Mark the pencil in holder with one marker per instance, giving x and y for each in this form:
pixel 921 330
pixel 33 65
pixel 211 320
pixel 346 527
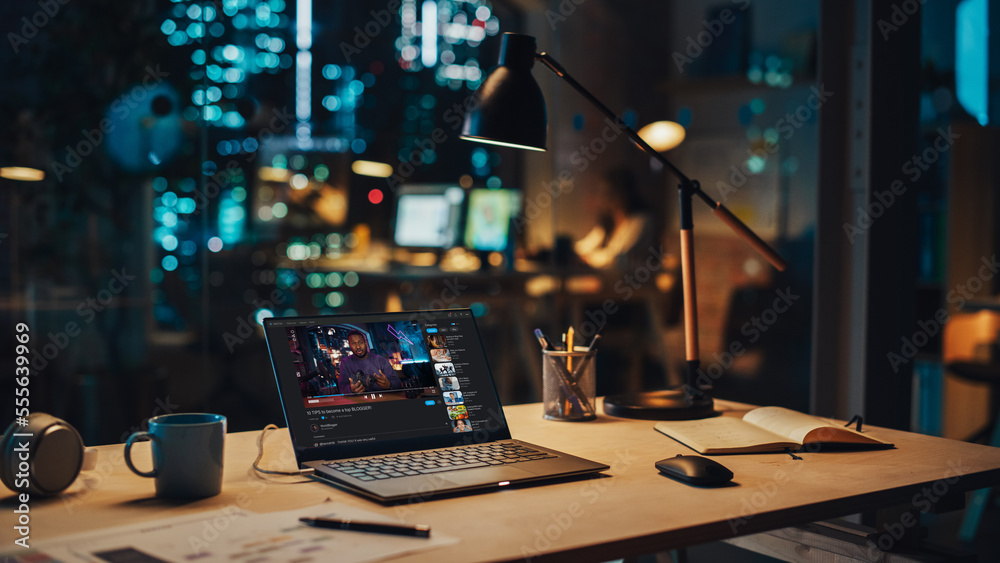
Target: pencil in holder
pixel 569 384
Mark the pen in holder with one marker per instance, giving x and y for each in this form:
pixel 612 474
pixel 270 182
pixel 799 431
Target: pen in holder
pixel 569 384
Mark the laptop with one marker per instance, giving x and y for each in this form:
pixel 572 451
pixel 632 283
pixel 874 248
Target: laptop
pixel 401 406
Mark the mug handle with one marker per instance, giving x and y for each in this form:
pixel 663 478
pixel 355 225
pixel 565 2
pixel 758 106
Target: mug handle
pixel 136 437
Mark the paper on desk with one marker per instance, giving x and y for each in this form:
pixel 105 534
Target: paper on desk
pixel 233 534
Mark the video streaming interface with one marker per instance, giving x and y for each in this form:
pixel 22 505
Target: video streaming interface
pixel 415 375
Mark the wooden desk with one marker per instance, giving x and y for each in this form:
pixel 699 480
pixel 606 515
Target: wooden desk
pixel 634 510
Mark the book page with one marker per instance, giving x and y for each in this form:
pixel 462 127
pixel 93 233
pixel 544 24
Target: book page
pixel 723 435
pixel 804 428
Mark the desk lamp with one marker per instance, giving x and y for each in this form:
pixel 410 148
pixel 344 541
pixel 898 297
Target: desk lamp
pixel 509 110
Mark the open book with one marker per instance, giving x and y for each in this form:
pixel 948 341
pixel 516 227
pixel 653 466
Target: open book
pixel 764 429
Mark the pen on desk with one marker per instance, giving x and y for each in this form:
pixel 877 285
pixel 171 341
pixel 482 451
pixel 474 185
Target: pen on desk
pixel 416 530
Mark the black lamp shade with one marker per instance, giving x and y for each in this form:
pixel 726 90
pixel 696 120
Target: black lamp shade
pixel 508 108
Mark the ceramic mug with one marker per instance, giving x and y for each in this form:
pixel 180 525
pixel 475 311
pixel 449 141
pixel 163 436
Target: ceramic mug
pixel 187 454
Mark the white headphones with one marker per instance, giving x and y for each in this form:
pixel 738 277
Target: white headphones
pixel 44 457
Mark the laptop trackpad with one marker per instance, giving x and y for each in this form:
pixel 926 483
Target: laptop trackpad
pixel 484 475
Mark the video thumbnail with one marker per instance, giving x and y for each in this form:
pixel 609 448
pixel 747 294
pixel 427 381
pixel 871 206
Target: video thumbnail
pixel 448 383
pixel 445 369
pixel 441 354
pixel 363 362
pixel 436 341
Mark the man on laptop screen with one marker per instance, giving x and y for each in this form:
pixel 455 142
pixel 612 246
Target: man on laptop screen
pixel 364 370
pixel 389 398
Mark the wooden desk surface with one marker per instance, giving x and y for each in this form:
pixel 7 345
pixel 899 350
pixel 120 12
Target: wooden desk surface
pixel 631 511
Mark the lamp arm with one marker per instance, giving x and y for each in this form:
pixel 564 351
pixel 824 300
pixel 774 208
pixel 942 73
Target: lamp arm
pixel 556 68
pixel 687 184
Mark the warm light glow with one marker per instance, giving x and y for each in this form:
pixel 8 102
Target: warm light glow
pixel 271 174
pixel 501 143
pixel 375 196
pixel 583 285
pixel 423 259
pixel 369 168
pixel 541 285
pixel 22 173
pixel 662 135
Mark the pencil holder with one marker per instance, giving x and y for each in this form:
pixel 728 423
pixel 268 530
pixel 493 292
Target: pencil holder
pixel 569 384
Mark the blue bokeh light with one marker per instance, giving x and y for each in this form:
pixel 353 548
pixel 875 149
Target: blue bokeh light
pixel 169 263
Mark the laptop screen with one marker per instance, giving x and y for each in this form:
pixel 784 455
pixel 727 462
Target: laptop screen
pixel 376 383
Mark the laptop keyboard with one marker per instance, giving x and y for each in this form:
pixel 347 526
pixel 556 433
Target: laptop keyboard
pixel 422 463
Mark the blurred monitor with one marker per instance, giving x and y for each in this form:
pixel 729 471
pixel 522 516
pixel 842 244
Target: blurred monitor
pixel 428 215
pixel 488 219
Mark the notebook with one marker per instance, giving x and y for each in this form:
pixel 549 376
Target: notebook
pixel 765 429
pixel 401 406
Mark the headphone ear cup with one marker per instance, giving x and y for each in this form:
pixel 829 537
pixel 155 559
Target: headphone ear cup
pixel 54 452
pixel 6 458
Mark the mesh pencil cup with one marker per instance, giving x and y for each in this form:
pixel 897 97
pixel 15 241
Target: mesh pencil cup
pixel 569 384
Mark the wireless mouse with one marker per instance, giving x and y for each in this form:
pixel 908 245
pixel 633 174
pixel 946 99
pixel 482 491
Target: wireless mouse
pixel 695 470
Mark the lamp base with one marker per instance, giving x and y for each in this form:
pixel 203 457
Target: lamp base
pixel 670 404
